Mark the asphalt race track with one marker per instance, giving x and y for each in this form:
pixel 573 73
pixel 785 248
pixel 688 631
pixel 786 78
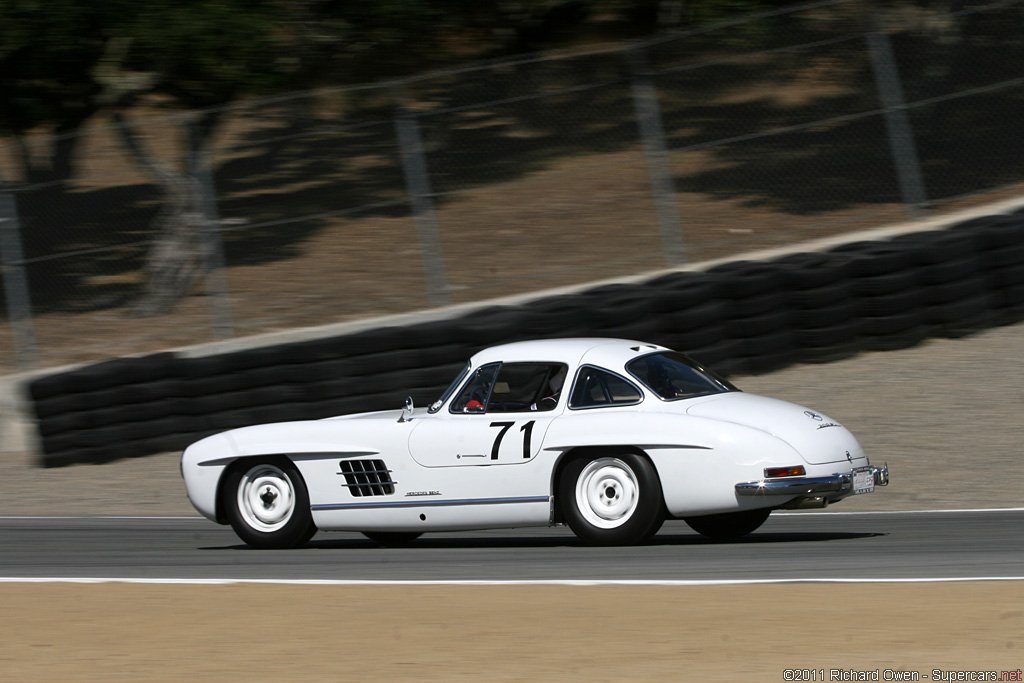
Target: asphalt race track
pixel 794 546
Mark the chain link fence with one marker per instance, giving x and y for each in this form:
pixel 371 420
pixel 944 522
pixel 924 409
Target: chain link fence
pixel 504 177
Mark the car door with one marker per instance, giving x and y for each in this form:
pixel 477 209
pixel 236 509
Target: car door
pixel 499 417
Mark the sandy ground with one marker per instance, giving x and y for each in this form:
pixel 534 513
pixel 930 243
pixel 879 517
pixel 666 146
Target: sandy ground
pixel 116 632
pixel 945 415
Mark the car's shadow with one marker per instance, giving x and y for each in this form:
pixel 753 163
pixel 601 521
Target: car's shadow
pixel 449 542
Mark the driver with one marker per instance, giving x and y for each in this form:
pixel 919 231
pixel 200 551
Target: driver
pixel 555 384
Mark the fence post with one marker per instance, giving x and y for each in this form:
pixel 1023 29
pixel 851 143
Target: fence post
pixel 205 199
pixel 897 123
pixel 19 306
pixel 648 115
pixel 417 183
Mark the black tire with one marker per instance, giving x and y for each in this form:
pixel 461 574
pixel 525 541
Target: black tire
pixel 689 291
pixel 759 325
pixel 829 354
pixel 710 314
pixel 875 258
pixel 897 303
pixel 826 316
pixel 952 270
pixel 813 270
pixel 267 504
pixel 697 337
pixel 954 291
pixel 743 279
pixel 728 525
pixel 821 297
pixel 611 498
pixel 392 538
pixel 886 284
pixel 770 362
pixel 896 341
pixel 887 325
pixel 832 335
pixel 756 305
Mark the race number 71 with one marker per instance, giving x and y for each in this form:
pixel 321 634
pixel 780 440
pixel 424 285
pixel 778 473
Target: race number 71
pixel 527 430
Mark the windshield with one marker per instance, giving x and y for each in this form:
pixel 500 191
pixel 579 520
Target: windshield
pixel 672 375
pixel 436 405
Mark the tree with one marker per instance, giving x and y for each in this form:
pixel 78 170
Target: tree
pixel 47 52
pixel 61 61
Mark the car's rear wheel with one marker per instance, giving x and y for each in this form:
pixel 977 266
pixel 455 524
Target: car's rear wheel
pixel 267 503
pixel 392 537
pixel 611 499
pixel 728 525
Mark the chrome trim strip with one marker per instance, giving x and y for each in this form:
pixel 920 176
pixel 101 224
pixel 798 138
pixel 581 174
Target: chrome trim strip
pixel 840 483
pixel 431 503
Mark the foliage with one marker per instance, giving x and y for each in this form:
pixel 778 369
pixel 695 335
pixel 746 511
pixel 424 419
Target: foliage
pixel 47 49
pixel 208 52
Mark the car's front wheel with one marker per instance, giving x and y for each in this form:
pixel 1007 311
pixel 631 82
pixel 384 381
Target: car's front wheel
pixel 611 499
pixel 267 503
pixel 729 524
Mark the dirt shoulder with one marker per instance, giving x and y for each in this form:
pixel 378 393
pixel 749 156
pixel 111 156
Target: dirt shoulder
pixel 118 632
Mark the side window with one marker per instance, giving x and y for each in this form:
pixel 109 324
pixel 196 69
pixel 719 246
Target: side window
pixel 596 387
pixel 512 388
pixel 525 387
pixel 476 393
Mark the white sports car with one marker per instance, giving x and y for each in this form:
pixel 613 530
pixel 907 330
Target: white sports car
pixel 608 436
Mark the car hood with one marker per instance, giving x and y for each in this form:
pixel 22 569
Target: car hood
pixel 817 437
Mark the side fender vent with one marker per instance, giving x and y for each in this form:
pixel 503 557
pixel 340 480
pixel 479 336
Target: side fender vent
pixel 367 478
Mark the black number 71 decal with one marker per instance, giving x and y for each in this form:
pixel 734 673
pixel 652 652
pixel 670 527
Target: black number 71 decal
pixel 527 430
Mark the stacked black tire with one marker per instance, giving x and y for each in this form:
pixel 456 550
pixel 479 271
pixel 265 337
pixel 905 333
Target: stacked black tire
pixel 119 408
pixel 739 318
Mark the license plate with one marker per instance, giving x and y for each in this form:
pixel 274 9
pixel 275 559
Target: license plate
pixel 863 480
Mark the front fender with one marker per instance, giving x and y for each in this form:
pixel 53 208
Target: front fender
pixel 202 465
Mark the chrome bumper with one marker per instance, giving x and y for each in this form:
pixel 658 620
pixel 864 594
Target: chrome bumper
pixel 803 486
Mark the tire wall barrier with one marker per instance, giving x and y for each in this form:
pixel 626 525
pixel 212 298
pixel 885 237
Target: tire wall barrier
pixel 743 317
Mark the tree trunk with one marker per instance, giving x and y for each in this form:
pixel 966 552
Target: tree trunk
pixel 179 251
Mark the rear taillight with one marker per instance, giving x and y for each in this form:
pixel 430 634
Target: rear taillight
pixel 772 472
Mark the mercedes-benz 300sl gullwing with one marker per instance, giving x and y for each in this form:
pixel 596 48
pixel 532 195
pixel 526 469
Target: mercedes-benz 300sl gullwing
pixel 611 437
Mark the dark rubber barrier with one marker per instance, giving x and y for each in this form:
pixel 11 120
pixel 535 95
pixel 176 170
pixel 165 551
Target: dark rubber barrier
pixel 743 317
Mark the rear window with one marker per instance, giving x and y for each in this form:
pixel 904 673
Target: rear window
pixel 672 375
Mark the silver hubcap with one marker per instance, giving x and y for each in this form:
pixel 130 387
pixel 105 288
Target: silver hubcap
pixel 266 498
pixel 607 493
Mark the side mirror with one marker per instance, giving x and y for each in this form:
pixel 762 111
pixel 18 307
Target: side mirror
pixel 406 410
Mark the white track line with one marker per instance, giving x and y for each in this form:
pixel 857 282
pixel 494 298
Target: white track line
pixel 552 582
pixel 189 518
pixel 893 512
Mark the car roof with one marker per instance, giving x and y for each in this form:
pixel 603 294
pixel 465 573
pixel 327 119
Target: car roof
pixel 610 353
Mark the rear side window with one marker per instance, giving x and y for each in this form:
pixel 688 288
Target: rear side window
pixel 595 387
pixel 673 375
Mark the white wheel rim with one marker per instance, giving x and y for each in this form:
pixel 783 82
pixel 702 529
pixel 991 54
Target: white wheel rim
pixel 266 498
pixel 607 493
